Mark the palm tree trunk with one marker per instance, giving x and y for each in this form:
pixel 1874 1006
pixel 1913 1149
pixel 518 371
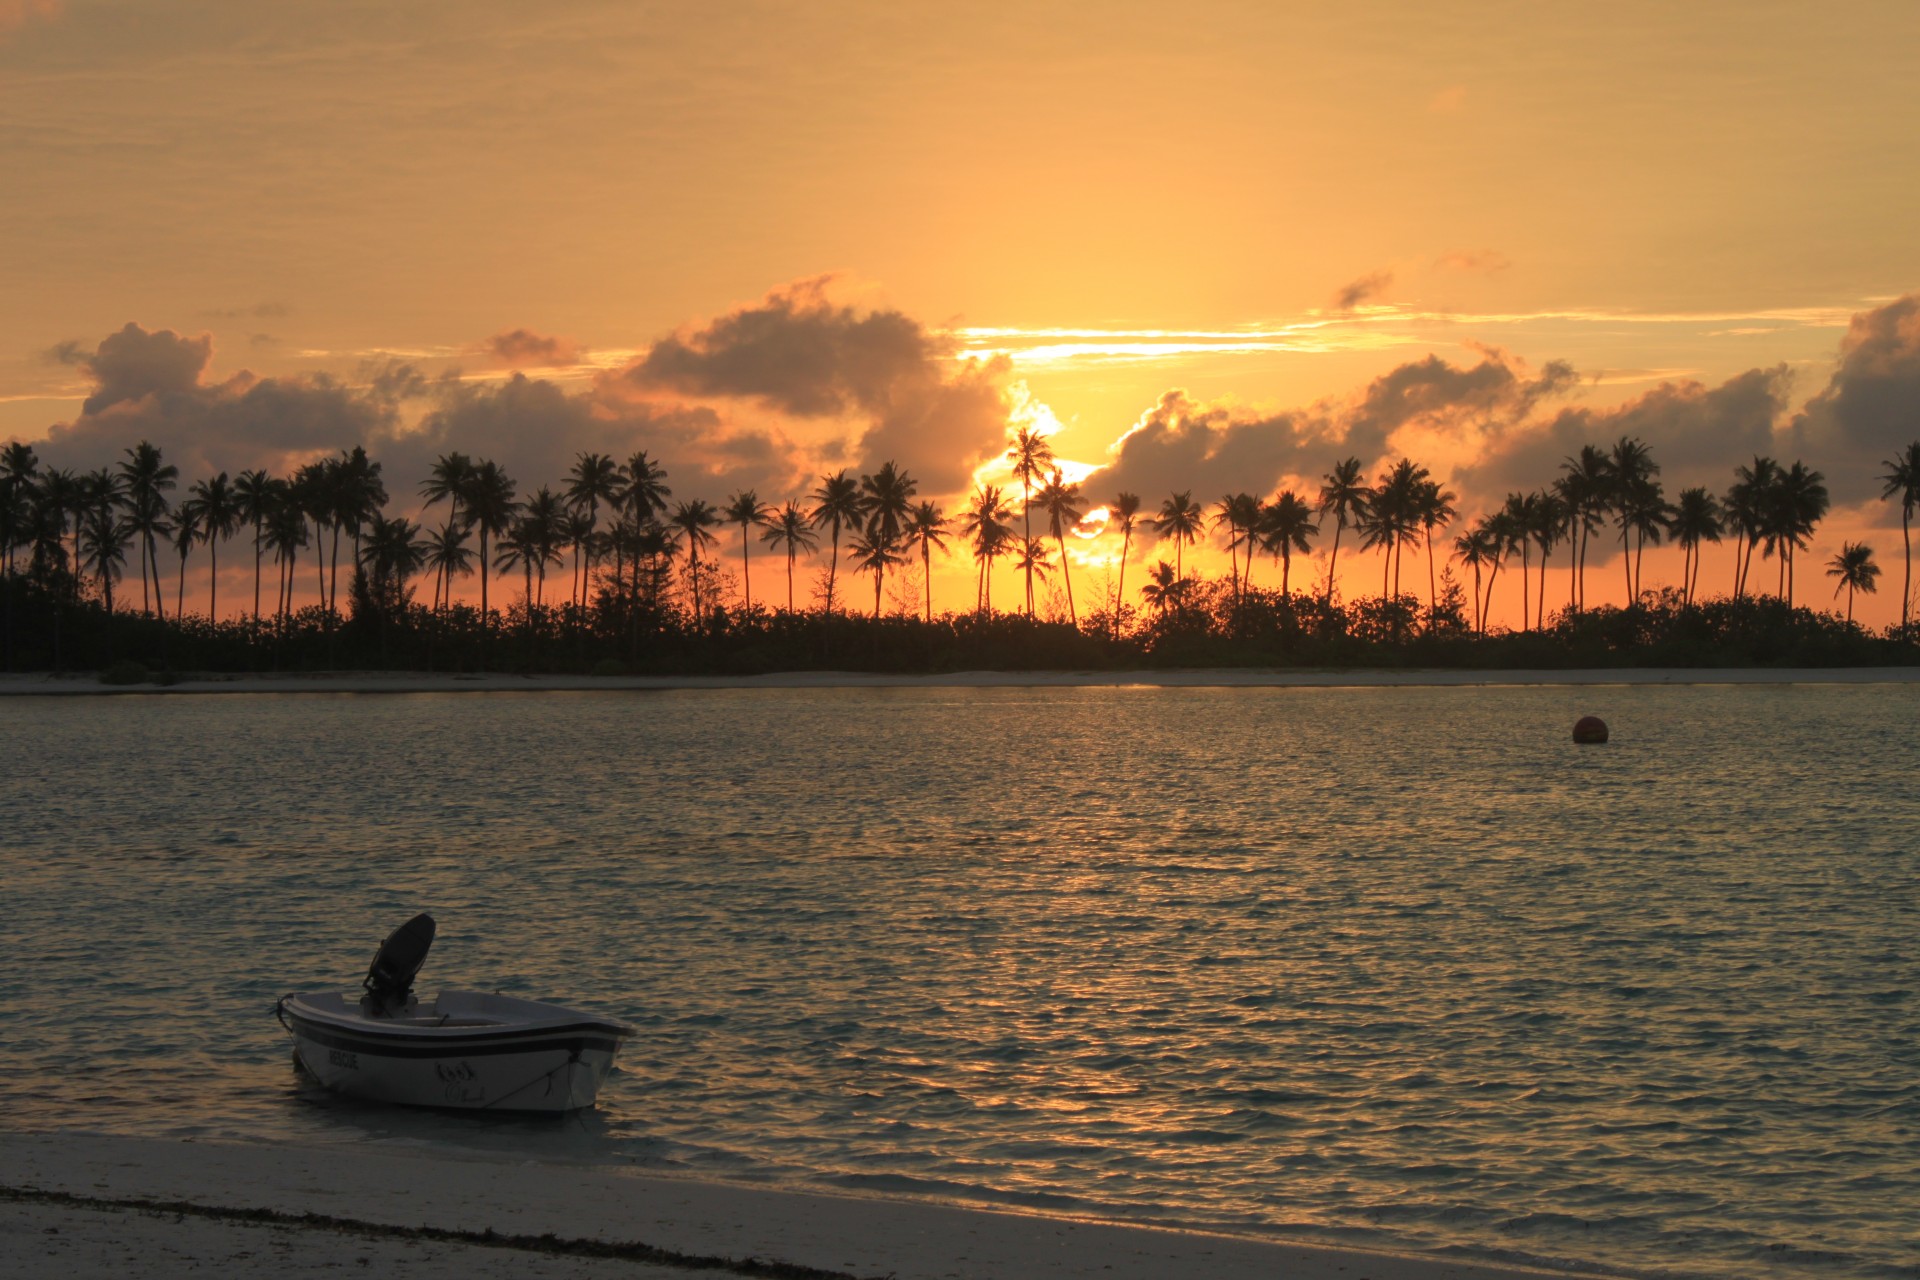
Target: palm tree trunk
pixel 1120 587
pixel 1906 540
pixel 1540 611
pixel 926 572
pixel 213 578
pixel 159 592
pixel 746 569
pixel 1333 562
pixel 1066 575
pixel 1526 585
pixel 789 579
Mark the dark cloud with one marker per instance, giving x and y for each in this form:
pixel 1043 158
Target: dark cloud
pixel 135 363
pixel 896 384
pixel 1696 433
pixel 1180 444
pixel 525 349
pixel 1362 290
pixel 1479 262
pixel 148 385
pixel 1870 408
pixel 1447 397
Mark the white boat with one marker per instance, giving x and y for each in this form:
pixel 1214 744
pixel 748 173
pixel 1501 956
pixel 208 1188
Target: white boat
pixel 466 1049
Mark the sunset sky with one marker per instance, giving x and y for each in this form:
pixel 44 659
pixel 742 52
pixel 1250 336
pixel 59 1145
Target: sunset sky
pixel 1220 245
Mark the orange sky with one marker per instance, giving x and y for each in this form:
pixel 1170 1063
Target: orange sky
pixel 1282 210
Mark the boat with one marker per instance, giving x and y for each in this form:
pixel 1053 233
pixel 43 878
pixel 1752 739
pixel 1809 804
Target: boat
pixel 471 1050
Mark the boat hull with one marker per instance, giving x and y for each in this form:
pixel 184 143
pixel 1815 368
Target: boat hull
pixel 418 1061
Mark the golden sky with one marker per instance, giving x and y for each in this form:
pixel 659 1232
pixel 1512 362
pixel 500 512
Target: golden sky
pixel 1275 208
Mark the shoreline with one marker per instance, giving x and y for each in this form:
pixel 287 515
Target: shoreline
pixel 67 1197
pixel 397 682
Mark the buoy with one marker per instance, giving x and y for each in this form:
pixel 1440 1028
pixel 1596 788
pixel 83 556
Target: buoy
pixel 1590 729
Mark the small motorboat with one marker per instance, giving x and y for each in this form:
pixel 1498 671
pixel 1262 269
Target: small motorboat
pixel 465 1049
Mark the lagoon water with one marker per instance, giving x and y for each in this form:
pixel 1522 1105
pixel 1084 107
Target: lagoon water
pixel 1389 967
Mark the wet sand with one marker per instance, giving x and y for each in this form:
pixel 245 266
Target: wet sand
pixel 85 1205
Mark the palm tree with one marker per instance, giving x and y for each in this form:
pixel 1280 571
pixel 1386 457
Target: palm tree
pixel 1165 588
pixel 186 532
pixel 1516 524
pixel 359 496
pixel 929 524
pixel 1343 492
pixel 1061 502
pixel 1584 485
pixel 886 498
pixel 693 519
pixel 1031 454
pixel 874 550
pixel 103 548
pixel 1902 480
pixel 1746 513
pixel 1855 569
pixel 595 479
pixel 1637 503
pixel 746 510
pixel 391 555
pixel 1433 507
pixel 487 496
pixel 1798 502
pixel 1476 548
pixel 147 482
pixel 1240 512
pixel 1287 525
pixel 1504 535
pixel 1696 518
pixel 1551 519
pixel 216 505
pixel 1126 507
pixel 1033 559
pixel 448 555
pixel 255 494
pixel 546 533
pixel 1180 518
pixel 790 529
pixel 286 534
pixel 447 480
pixel 836 502
pixel 986 525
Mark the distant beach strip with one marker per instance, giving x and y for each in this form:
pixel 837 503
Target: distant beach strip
pixel 1198 678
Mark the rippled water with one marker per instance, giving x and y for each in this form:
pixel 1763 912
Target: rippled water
pixel 1395 967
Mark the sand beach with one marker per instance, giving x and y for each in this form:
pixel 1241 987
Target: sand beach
pixel 74 1204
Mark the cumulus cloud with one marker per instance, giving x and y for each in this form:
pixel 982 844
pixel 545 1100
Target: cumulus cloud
pixel 1181 444
pixel 1440 397
pixel 899 387
pixel 525 349
pixel 1365 289
pixel 1696 433
pixel 1870 408
pixel 151 384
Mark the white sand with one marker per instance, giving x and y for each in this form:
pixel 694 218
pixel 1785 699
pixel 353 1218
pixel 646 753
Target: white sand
pixel 1235 677
pixel 109 1234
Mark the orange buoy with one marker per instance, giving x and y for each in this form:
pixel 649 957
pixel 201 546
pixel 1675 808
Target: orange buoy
pixel 1590 729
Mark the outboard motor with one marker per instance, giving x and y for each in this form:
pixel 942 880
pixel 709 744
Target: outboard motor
pixel 389 981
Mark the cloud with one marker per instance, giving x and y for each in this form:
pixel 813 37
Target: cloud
pixel 1696 433
pixel 1364 289
pixel 896 385
pixel 1443 398
pixel 149 384
pixel 1182 444
pixel 133 364
pixel 525 349
pixel 1870 407
pixel 1480 262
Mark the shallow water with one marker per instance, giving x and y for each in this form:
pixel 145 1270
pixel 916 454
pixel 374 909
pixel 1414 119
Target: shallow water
pixel 1389 967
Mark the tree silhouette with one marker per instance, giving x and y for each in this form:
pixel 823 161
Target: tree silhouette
pixel 1061 502
pixel 1286 525
pixel 1030 454
pixel 836 502
pixel 1902 481
pixel 746 510
pixel 1343 492
pixel 1855 569
pixel 1696 518
pixel 1125 509
pixel 487 497
pixel 929 524
pixel 215 506
pixel 595 479
pixel 1180 518
pixel 693 520
pixel 874 550
pixel 790 531
pixel 986 526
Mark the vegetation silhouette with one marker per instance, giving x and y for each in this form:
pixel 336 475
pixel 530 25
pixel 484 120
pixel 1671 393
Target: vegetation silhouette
pixel 642 596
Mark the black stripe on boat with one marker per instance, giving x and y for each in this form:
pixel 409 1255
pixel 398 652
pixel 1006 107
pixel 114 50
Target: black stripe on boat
pixel 415 1046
